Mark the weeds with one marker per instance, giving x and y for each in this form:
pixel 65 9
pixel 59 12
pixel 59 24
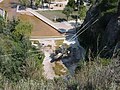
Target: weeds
pixel 92 75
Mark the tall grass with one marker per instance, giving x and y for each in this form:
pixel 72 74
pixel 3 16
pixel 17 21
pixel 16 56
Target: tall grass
pixel 93 75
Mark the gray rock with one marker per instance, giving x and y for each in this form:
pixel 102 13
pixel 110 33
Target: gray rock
pixel 102 36
pixel 77 54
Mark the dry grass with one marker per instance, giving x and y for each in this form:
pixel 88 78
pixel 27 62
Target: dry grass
pixel 91 76
pixel 59 42
pixel 59 69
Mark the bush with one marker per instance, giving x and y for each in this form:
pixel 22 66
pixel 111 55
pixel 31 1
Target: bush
pixel 16 52
pixel 92 76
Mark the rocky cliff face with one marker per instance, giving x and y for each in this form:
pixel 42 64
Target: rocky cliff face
pixel 103 28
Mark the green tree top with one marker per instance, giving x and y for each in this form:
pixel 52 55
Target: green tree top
pixel 67 11
pixel 24 2
pixel 82 12
pixel 71 3
pixel 16 50
pixel 23 28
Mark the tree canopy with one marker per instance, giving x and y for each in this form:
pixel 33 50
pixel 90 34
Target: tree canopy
pixel 68 11
pixel 71 3
pixel 15 49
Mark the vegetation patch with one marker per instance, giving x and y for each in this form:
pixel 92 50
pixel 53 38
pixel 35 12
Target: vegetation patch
pixel 52 15
pixel 58 43
pixel 56 15
pixel 59 69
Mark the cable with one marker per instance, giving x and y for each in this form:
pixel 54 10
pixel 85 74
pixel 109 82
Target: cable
pixel 82 28
pixel 73 37
pixel 86 29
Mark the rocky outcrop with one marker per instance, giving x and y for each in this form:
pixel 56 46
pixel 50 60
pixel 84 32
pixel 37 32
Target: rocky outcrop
pixel 111 36
pixel 103 29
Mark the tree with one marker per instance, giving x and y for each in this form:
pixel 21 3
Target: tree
pixel 24 2
pixel 37 3
pixel 82 12
pixel 20 29
pixel 1 23
pixel 71 3
pixel 16 50
pixel 23 28
pixel 67 11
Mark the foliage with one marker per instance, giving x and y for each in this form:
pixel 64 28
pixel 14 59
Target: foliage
pixel 16 50
pixel 20 62
pixel 67 11
pixel 37 2
pixel 92 1
pixel 82 12
pixel 23 28
pixel 53 14
pixel 58 43
pixel 71 4
pixel 1 23
pixel 108 6
pixel 92 76
pixel 24 2
pixel 104 62
pixel 30 3
pixel 59 69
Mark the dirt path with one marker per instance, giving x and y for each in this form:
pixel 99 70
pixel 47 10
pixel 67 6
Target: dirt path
pixel 48 67
pixel 55 69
